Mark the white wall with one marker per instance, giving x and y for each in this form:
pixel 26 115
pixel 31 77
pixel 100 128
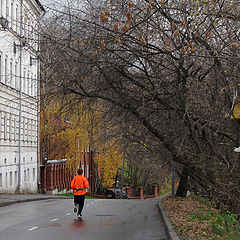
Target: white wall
pixel 16 65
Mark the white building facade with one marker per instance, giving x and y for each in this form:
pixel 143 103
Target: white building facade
pixel 19 95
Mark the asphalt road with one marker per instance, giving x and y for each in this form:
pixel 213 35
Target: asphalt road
pixel 114 219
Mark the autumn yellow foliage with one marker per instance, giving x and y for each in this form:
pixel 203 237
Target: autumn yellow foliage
pixel 69 135
pixel 109 160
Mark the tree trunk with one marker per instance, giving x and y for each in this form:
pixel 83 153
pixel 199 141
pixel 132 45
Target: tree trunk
pixel 183 184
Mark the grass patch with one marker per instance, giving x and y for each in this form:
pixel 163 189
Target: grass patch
pixel 222 225
pixel 165 188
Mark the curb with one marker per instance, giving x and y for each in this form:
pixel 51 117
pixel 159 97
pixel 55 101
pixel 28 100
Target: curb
pixel 172 235
pixel 30 200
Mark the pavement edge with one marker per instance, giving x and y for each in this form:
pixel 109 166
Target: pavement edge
pixel 166 221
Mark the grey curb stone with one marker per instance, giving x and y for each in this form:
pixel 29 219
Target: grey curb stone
pixel 2 204
pixel 172 235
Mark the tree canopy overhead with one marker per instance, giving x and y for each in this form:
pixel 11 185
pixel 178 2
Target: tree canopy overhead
pixel 167 68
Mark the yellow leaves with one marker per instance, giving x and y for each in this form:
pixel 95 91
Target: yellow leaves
pixel 77 40
pixel 104 16
pixel 130 4
pixel 110 160
pixel 176 33
pixel 144 42
pixel 183 23
pixel 234 44
pixel 117 40
pixel 126 27
pixel 128 16
pixel 162 2
pixel 102 43
pixel 183 50
pixel 115 27
pixel 135 17
pixel 99 49
pixel 173 25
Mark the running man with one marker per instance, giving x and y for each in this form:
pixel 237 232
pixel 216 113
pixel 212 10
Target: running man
pixel 79 185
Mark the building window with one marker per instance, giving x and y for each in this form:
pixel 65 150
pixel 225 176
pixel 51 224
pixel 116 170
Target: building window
pixel 15 129
pixel 25 175
pixel 24 81
pixel 33 129
pixel 6 70
pixel 16 17
pixel 34 174
pixel 0 125
pixel 28 82
pixel 5 160
pixel 32 85
pixel 23 127
pixel 11 73
pixel 10 128
pixel 27 125
pixel 30 129
pixel 7 8
pixel 28 174
pixel 31 159
pixel 5 127
pixel 24 159
pixel 15 160
pixel 10 180
pixel 15 177
pixel 35 86
pixel 16 78
pixel 0 179
pixel 1 8
pixel 1 77
pixel 6 179
pixel 12 13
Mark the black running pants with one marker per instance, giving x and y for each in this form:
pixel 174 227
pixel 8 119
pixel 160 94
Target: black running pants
pixel 79 199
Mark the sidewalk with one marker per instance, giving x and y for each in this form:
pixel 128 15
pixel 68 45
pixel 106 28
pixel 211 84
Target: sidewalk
pixel 7 199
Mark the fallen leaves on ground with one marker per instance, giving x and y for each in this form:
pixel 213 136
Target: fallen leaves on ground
pixel 179 209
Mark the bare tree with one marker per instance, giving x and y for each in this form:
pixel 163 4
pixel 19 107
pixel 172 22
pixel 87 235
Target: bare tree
pixel 171 65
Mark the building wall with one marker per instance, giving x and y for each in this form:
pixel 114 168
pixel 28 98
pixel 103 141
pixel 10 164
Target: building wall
pixel 19 87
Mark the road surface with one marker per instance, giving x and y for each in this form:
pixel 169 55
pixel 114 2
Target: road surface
pixel 107 219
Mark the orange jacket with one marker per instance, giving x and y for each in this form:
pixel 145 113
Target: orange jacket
pixel 79 181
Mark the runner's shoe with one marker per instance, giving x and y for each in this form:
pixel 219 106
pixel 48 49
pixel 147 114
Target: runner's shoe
pixel 75 208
